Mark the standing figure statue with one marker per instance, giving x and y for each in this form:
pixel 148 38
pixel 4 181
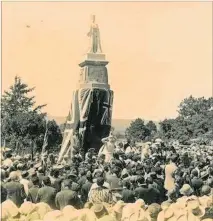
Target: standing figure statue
pixel 94 34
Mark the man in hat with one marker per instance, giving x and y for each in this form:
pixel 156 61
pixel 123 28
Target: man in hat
pixel 67 197
pixel 15 190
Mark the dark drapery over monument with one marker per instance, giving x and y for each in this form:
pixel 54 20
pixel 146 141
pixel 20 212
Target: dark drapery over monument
pixel 91 110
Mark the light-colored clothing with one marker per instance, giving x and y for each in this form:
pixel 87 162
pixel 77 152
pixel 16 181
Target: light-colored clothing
pixel 169 184
pixel 130 150
pixel 145 152
pixel 107 149
pixel 8 162
pixel 25 183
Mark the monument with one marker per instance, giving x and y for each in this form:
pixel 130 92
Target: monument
pixel 90 115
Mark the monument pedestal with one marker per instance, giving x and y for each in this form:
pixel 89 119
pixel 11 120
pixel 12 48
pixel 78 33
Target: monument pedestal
pixel 94 72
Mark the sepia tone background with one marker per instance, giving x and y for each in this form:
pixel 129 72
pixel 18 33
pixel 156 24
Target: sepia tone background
pixel 159 53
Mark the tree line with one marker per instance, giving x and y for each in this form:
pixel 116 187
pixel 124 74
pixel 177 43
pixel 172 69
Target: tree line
pixel 194 122
pixel 23 124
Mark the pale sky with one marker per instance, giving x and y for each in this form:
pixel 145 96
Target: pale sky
pixel 159 53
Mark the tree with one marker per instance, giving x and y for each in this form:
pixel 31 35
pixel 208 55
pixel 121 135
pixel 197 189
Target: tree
pixel 16 100
pixel 137 130
pixel 194 120
pixel 23 124
pixel 151 126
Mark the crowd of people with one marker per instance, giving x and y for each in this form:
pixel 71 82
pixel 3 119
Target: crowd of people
pixel 151 181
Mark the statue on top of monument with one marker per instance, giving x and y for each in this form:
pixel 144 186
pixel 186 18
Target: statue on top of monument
pixel 94 34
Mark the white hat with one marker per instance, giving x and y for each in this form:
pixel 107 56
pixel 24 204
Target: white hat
pixel 186 189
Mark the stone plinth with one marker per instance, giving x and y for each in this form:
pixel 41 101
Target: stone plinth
pixel 94 72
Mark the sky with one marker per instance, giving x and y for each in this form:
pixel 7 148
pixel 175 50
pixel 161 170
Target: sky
pixel 159 52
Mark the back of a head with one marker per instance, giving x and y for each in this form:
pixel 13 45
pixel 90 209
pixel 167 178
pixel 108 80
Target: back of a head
pixel 56 173
pixel 205 190
pixel 100 181
pixel 140 180
pixel 35 180
pixel 46 181
pixel 67 183
pixel 126 184
pixel 14 176
pixel 194 172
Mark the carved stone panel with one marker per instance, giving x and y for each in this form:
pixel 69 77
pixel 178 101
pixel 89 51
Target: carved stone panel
pixel 97 74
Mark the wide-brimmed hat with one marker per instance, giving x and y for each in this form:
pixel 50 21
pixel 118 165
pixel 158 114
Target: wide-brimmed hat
pixel 195 208
pixel 42 209
pixel 53 215
pixel 67 210
pixel 71 175
pixel 10 207
pixel 140 203
pixel 186 189
pixel 27 207
pixel 168 213
pixel 205 190
pixel 98 207
pixel 118 207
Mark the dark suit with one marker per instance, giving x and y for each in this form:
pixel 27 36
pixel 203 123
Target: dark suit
pixel 128 196
pixel 15 192
pixel 148 194
pixel 32 194
pixel 57 184
pixel 67 197
pixel 196 183
pixel 85 191
pixel 3 192
pixel 82 181
pixel 47 195
pixel 142 192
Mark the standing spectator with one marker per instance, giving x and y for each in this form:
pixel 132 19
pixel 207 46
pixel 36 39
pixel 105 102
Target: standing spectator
pixel 67 197
pixel 169 174
pixel 15 190
pixel 47 194
pixel 33 191
pixel 24 181
pixel 100 193
pixel 127 194
pixel 86 187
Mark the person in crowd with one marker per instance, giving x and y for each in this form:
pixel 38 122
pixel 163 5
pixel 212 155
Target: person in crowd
pixel 169 174
pixel 24 180
pixel 15 190
pixel 165 185
pixel 108 148
pixel 46 193
pixel 67 197
pixel 33 191
pixel 86 187
pixel 128 195
pixel 100 193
